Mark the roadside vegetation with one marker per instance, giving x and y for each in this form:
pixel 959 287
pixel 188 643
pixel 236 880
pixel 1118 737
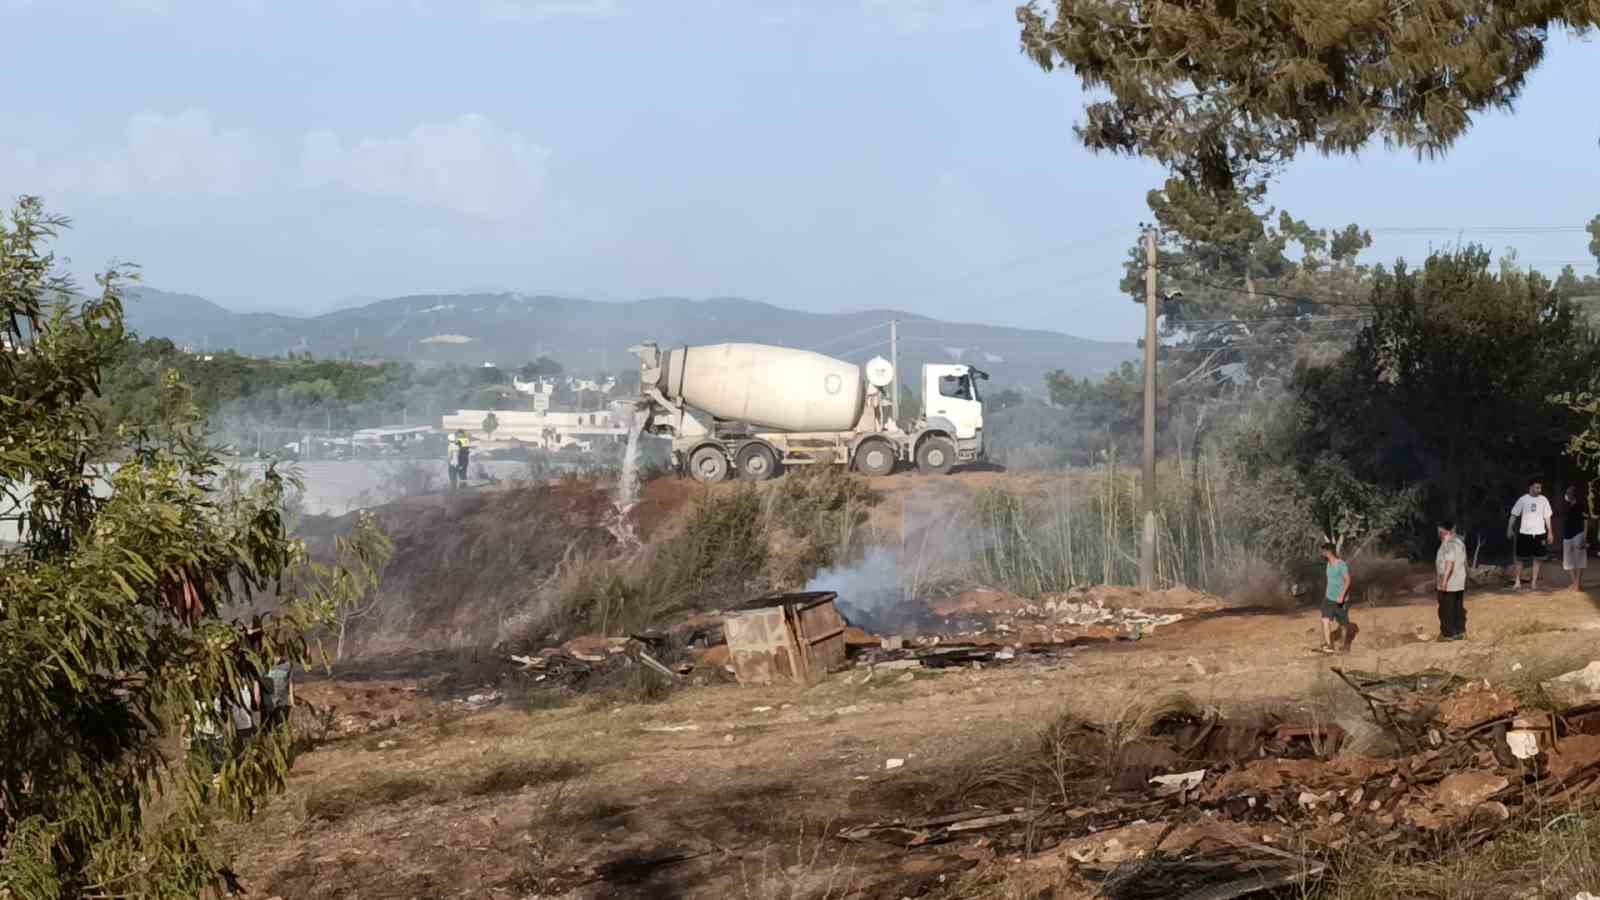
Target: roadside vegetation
pixel 122 612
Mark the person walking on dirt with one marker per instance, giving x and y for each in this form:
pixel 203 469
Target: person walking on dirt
pixel 1530 526
pixel 1336 604
pixel 1451 567
pixel 1575 535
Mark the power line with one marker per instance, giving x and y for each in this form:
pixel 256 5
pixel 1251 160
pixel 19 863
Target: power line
pixel 1073 280
pixel 875 345
pixel 1261 292
pixel 1042 339
pixel 1287 317
pixel 844 337
pixel 1024 260
pixel 1480 229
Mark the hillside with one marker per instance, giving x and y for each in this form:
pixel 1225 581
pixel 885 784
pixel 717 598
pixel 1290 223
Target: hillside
pixel 583 335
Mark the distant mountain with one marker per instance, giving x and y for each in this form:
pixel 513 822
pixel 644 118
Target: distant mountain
pixel 585 335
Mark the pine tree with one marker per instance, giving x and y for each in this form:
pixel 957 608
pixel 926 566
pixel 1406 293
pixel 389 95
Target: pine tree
pixel 1227 91
pixel 118 606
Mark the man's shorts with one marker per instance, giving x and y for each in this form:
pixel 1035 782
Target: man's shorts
pixel 1338 612
pixel 1574 554
pixel 1531 546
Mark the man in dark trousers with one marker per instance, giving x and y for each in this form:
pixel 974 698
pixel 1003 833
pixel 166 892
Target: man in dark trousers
pixel 1451 567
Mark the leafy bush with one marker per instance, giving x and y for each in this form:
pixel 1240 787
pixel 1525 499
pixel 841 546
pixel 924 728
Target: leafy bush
pixel 720 557
pixel 114 610
pixel 822 508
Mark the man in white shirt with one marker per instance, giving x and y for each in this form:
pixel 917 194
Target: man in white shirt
pixel 1532 528
pixel 1450 565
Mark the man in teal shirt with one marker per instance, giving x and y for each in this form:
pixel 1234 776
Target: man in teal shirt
pixel 1336 603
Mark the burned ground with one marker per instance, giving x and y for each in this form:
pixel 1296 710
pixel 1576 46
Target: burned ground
pixel 729 791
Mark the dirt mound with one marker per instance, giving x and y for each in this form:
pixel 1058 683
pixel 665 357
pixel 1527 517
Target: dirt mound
pixel 463 562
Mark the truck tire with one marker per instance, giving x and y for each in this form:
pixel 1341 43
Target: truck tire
pixel 708 464
pixel 936 456
pixel 757 462
pixel 875 458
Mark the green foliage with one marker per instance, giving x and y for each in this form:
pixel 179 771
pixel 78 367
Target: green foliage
pixel 542 367
pixel 1594 240
pixel 1006 399
pixel 1217 92
pixel 721 557
pixel 273 401
pixel 717 558
pixel 1307 496
pixel 1450 388
pixel 114 627
pixel 1257 289
pixel 1104 414
pixel 1087 530
pixel 821 508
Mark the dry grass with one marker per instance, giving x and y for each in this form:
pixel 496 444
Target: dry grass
pixel 376 791
pixel 1559 858
pixel 515 775
pixel 811 867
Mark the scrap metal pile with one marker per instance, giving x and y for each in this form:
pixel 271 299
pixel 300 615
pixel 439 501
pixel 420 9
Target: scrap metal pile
pixel 1202 806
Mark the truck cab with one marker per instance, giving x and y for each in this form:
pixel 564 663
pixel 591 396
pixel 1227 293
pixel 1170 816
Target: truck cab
pixel 953 404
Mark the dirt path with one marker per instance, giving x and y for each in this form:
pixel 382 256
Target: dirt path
pixel 728 791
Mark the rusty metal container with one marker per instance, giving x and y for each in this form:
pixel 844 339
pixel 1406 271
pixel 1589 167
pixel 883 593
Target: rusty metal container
pixel 791 636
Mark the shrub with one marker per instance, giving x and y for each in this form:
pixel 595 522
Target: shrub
pixel 117 625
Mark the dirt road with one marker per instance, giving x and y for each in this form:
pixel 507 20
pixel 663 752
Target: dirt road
pixel 733 792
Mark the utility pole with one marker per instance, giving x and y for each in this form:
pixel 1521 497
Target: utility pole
pixel 1147 546
pixel 894 363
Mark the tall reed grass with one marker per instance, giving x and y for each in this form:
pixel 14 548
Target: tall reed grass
pixel 1087 530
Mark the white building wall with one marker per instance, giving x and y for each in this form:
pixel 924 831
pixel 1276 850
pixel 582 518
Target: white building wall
pixel 548 429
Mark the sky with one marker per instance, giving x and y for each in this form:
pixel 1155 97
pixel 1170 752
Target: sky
pixel 825 155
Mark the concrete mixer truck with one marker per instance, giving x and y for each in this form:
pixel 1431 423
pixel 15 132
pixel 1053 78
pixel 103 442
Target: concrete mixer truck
pixel 748 410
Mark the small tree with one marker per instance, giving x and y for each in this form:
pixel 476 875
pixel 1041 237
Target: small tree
pixel 491 422
pixel 114 609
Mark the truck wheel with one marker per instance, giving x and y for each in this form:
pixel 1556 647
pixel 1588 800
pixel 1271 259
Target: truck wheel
pixel 757 462
pixel 875 458
pixel 936 456
pixel 708 464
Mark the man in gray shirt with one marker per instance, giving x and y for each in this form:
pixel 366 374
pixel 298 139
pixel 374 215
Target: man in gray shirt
pixel 1450 565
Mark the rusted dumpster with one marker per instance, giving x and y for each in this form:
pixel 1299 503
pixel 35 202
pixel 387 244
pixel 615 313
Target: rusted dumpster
pixel 793 636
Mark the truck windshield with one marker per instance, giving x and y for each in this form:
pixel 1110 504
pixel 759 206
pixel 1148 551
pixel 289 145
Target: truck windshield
pixel 958 387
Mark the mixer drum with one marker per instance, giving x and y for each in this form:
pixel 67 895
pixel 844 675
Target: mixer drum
pixel 770 387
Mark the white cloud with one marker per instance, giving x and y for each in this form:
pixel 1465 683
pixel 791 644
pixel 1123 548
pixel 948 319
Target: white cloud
pixel 469 166
pixel 182 153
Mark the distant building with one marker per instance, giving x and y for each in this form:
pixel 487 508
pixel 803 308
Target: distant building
pixel 392 437
pixel 535 388
pixel 545 429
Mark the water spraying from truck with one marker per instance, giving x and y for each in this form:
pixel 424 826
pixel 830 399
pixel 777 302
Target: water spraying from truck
pixel 627 495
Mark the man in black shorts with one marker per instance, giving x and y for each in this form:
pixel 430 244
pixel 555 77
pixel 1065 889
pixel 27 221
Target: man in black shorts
pixel 1533 529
